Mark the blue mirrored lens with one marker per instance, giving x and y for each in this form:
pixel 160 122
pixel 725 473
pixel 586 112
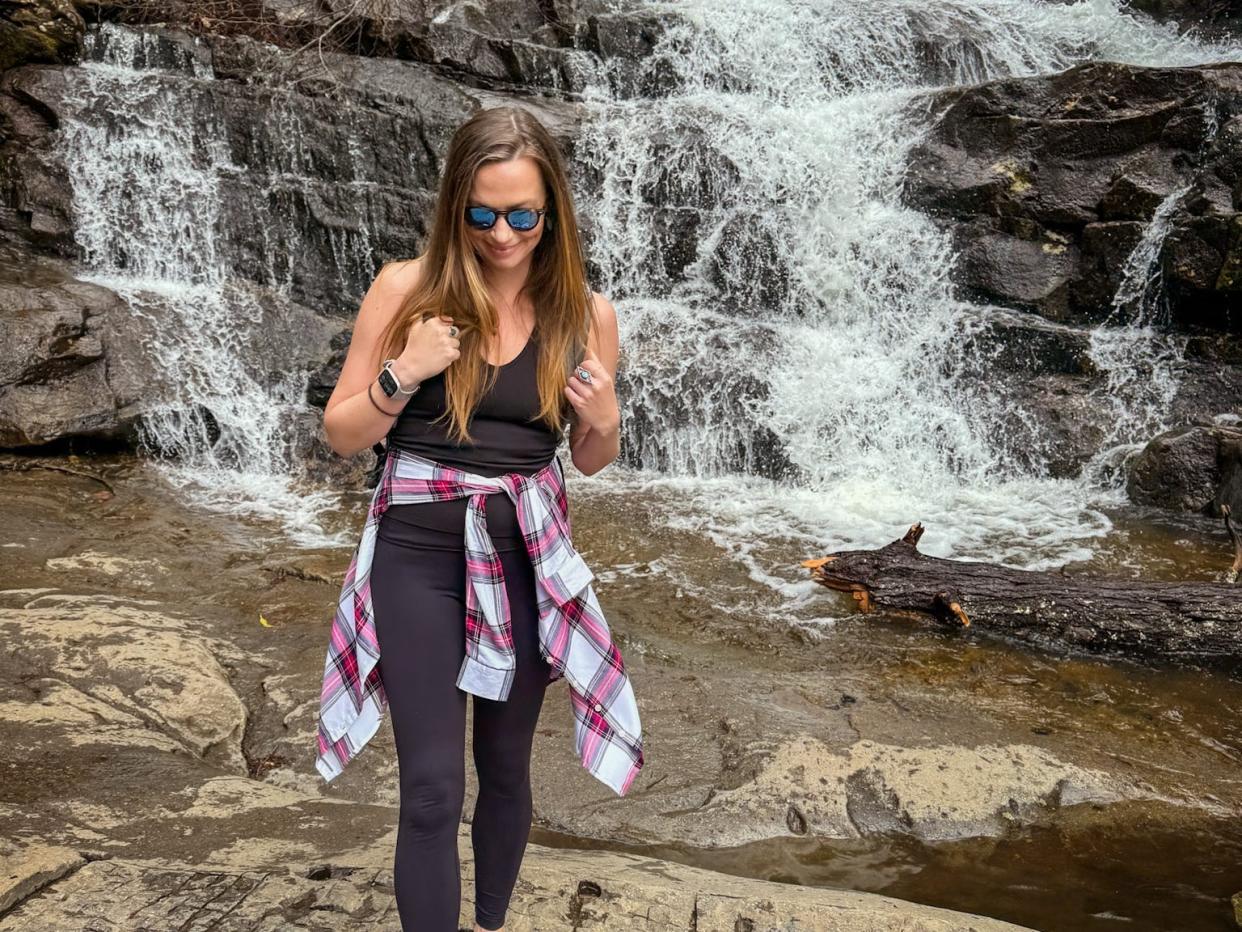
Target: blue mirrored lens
pixel 480 217
pixel 523 219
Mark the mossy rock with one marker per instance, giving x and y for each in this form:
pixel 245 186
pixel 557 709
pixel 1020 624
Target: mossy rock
pixel 47 32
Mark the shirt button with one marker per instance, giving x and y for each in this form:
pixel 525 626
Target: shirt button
pixel 598 707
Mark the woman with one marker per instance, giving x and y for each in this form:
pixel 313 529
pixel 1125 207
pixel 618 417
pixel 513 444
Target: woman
pixel 465 579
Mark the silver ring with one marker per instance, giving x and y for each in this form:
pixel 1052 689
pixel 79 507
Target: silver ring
pixel 452 330
pixel 583 374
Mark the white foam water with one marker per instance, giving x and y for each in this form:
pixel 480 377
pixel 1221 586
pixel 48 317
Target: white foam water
pixel 811 326
pixel 146 178
pixel 819 307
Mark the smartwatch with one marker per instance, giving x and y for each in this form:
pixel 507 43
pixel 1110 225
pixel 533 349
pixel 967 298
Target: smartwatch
pixel 391 385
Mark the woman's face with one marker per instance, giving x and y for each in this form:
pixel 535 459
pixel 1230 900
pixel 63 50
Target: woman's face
pixel 500 186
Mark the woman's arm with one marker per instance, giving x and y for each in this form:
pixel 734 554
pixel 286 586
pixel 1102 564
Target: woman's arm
pixel 595 436
pixel 351 422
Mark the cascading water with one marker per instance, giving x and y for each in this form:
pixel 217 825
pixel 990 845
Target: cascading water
pixel 812 330
pixel 146 173
pixel 1140 362
pixel 788 378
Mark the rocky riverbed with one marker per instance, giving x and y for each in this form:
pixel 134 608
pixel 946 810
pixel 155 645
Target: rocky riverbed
pixel 161 673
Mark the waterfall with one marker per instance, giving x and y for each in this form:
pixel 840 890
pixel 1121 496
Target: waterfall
pixel 1139 361
pixel 790 378
pixel 789 368
pixel 147 168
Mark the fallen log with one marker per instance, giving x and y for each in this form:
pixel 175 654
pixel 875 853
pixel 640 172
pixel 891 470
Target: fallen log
pixel 1187 622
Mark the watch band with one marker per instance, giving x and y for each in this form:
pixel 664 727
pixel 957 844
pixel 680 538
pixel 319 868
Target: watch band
pixel 391 385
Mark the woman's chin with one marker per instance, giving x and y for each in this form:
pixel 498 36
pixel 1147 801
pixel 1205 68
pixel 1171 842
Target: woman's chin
pixel 507 258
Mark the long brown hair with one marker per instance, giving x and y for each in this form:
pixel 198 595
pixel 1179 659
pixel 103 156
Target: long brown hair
pixel 452 280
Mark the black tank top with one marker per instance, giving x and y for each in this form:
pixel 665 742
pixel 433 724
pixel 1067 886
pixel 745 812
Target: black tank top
pixel 505 440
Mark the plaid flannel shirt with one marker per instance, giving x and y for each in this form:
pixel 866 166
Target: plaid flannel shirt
pixel 574 637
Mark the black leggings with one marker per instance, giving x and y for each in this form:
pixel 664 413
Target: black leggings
pixel 418 590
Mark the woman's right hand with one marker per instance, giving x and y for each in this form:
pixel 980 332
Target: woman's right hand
pixel 429 349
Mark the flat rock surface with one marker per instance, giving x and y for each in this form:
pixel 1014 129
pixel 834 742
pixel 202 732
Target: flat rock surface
pixel 557 890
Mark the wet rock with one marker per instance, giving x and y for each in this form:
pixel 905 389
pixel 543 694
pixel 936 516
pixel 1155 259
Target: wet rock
pixel 688 168
pixel 934 793
pixel 323 379
pixel 1051 185
pixel 289 208
pixel 1033 174
pixel 1047 386
pixel 872 806
pixel 509 45
pixel 138 573
pixel 1211 17
pixel 55 340
pixel 680 414
pixel 1031 266
pixel 112 671
pixel 1195 468
pixel 747 263
pixel 1103 250
pixel 25 872
pixel 320 463
pixel 74 362
pixel 516 46
pixel 676 231
pixel 36 206
pixel 625 38
pixel 292 212
pixel 1005 341
pixel 557 889
pixel 39 31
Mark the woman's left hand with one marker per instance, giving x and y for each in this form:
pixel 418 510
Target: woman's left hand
pixel 595 401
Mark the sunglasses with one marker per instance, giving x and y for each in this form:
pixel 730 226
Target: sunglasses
pixel 521 219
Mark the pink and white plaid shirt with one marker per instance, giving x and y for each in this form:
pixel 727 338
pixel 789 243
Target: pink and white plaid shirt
pixel 574 637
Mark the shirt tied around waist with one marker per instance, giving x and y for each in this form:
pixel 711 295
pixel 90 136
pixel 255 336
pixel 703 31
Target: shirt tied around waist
pixel 574 636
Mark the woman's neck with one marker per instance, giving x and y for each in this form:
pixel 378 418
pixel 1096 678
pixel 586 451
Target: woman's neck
pixel 506 284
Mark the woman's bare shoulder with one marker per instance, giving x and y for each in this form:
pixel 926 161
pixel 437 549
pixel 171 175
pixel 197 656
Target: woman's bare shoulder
pixel 604 339
pixel 404 273
pixel 605 317
pixel 604 309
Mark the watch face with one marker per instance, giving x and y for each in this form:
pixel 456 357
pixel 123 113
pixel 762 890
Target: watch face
pixel 387 383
